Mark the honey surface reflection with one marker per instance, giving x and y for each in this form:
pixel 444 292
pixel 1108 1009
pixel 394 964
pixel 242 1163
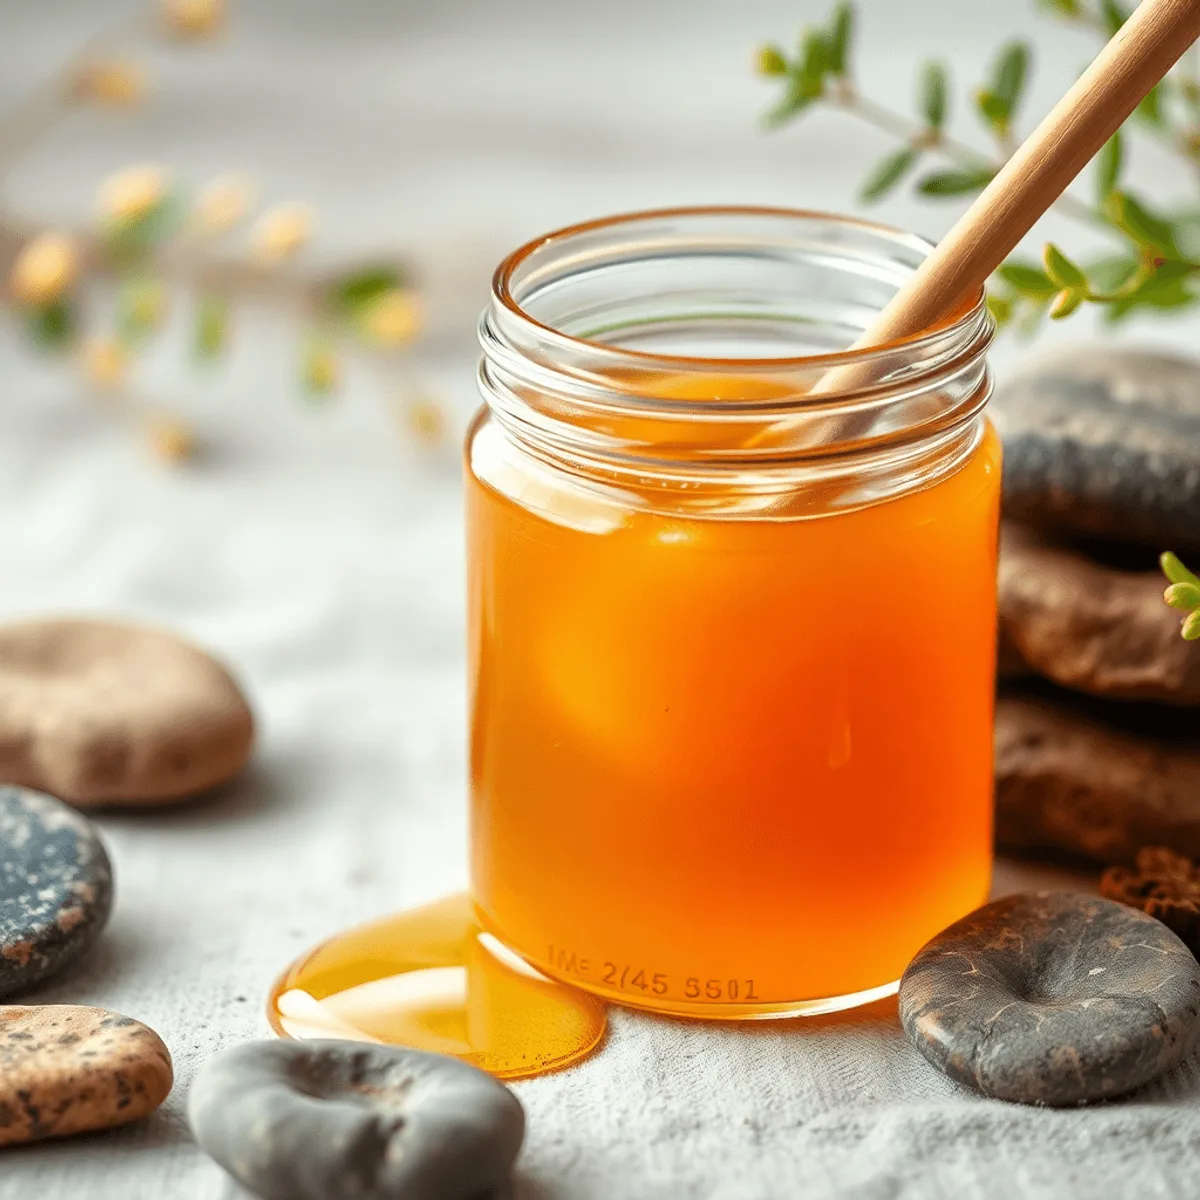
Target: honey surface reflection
pixel 431 979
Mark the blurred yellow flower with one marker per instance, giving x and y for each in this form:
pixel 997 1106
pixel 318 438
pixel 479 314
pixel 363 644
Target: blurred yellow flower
pixel 394 319
pixel 112 81
pixel 194 18
pixel 105 362
pixel 281 231
pixel 222 203
pixel 171 439
pixel 143 305
pixel 426 421
pixel 131 193
pixel 45 269
pixel 321 370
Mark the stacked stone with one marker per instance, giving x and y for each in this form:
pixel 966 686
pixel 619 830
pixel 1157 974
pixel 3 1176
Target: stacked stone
pixel 1098 715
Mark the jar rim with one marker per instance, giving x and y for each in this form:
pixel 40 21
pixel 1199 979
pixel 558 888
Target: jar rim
pixel 503 293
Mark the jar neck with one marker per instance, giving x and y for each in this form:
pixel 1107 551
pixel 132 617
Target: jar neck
pixel 591 362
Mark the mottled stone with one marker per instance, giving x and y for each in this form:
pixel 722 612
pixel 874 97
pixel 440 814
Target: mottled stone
pixel 1092 627
pixel 1105 441
pixel 1069 779
pixel 55 888
pixel 329 1120
pixel 1053 998
pixel 1164 885
pixel 65 1070
pixel 100 713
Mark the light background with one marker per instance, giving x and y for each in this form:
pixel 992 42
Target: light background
pixel 323 559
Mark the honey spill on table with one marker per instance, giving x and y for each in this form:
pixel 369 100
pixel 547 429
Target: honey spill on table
pixel 431 979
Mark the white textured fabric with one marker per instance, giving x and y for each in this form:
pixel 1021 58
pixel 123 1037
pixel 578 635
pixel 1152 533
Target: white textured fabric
pixel 324 562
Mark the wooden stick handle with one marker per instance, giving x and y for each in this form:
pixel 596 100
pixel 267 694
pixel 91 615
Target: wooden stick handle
pixel 1142 52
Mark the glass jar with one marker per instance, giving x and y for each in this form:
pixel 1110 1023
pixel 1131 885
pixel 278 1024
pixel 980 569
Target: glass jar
pixel 732 612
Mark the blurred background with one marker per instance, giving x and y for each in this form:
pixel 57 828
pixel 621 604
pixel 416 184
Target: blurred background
pixel 443 134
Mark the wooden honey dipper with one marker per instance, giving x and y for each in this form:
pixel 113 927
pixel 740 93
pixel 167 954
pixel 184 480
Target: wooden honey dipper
pixel 1138 56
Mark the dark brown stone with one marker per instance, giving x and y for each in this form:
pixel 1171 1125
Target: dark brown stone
pixel 67 1070
pixel 1067 780
pixel 1053 998
pixel 1104 441
pixel 1165 885
pixel 1091 627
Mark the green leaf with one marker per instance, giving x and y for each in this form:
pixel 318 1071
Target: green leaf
pixel 1183 595
pixel 934 92
pixel 212 327
pixel 1012 68
pixel 1108 166
pixel 839 39
pixel 813 63
pixel 1061 8
pixel 1001 308
pixel 318 367
pixel 1167 288
pixel 771 61
pixel 1175 571
pixel 51 325
pixel 1185 225
pixel 141 304
pixel 350 296
pixel 1027 279
pixel 1150 108
pixel 1114 15
pixel 135 235
pixel 1139 223
pixel 954 183
pixel 1112 272
pixel 1061 269
pixel 993 110
pixel 887 174
pixel 1191 627
pixel 1066 302
pixel 792 105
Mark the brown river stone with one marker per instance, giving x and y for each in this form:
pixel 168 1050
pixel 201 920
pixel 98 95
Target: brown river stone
pixel 101 713
pixel 66 1069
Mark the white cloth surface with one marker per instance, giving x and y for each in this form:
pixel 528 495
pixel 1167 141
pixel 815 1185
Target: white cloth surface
pixel 323 560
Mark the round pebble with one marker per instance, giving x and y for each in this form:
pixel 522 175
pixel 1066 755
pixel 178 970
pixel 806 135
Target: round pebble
pixel 101 713
pixel 1104 441
pixel 1053 998
pixel 55 888
pixel 333 1120
pixel 66 1069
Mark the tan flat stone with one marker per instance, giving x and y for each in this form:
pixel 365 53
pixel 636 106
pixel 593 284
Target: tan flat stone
pixel 66 1069
pixel 101 713
pixel 1067 781
pixel 1090 627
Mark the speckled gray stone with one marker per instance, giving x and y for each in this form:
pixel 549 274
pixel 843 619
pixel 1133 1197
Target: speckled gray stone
pixel 1104 441
pixel 1053 998
pixel 55 888
pixel 332 1120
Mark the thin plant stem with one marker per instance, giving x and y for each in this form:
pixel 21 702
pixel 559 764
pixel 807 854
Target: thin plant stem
pixel 850 100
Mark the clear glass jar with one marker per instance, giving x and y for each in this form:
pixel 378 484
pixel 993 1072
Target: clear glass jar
pixel 732 612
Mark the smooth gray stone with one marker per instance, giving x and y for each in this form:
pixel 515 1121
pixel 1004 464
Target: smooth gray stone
pixel 1104 442
pixel 1053 998
pixel 332 1120
pixel 55 888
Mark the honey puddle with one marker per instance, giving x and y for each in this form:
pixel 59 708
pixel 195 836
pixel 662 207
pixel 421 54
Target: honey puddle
pixel 430 978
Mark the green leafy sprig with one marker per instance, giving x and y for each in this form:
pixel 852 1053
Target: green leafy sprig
pixel 1183 593
pixel 1155 261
